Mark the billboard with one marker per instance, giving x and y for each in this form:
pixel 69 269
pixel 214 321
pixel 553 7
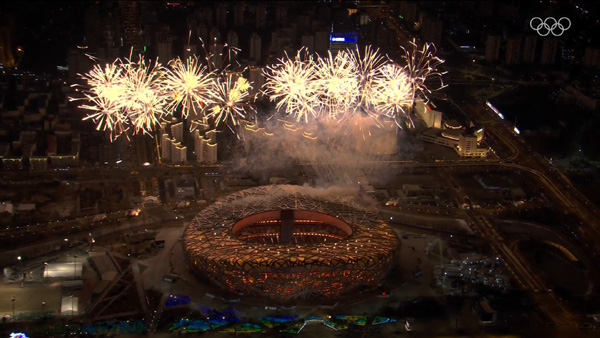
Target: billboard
pixel 343 37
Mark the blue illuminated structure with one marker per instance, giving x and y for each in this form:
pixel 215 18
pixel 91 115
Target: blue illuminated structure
pixel 343 37
pixel 340 41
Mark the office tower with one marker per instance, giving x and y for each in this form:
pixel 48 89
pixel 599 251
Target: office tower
pixel 492 48
pixel 549 51
pixel 255 47
pixel 513 51
pixel 529 45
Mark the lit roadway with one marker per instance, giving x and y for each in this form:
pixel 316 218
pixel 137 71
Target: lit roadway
pixel 523 157
pixel 562 191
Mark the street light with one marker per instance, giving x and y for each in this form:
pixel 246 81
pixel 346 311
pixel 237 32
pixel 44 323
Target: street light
pixel 43 306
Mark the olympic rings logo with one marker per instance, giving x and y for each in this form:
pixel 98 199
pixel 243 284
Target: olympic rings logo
pixel 550 25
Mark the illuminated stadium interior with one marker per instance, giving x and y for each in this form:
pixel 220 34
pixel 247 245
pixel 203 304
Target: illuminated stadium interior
pixel 291 227
pixel 288 242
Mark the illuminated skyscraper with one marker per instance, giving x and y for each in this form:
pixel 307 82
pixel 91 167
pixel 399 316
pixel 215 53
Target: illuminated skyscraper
pixel 513 50
pixel 529 44
pixel 6 56
pixel 221 15
pixel 492 48
pixel 261 15
pixel 238 14
pixel 130 24
pixel 549 51
pixel 340 41
pixel 232 39
pixel 255 47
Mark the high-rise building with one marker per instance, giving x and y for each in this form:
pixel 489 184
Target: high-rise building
pixel 468 146
pixel 529 45
pixel 178 152
pixel 238 14
pixel 189 50
pixel 232 39
pixel 280 14
pixel 164 50
pixel 308 41
pixel 197 144
pixel 202 32
pixel 257 78
pixel 216 49
pixel 205 147
pixel 549 51
pixel 255 47
pixel 207 16
pixel 211 135
pixel 130 23
pixel 591 57
pixel 322 42
pixel 513 51
pixel 164 43
pixel 221 15
pixel 303 23
pixel 492 48
pixel 214 36
pixel 363 19
pixel 283 42
pixel 79 63
pixel 274 42
pixel 6 56
pixel 165 147
pixel 177 131
pixel 408 9
pixel 431 29
pixel 261 15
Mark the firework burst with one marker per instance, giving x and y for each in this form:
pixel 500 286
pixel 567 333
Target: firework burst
pixel 107 115
pixel 367 66
pixel 143 98
pixel 421 65
pixel 187 85
pixel 338 84
pixel 392 91
pixel 136 95
pixel 291 84
pixel 104 95
pixel 229 102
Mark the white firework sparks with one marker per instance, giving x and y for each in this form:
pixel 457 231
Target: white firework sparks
pixel 143 99
pixel 230 102
pixel 187 85
pixel 338 84
pixel 366 67
pixel 291 83
pixel 107 115
pixel 128 94
pixel 421 65
pixel 104 97
pixel 392 91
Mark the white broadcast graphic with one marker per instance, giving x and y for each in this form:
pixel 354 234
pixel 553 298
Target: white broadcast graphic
pixel 550 25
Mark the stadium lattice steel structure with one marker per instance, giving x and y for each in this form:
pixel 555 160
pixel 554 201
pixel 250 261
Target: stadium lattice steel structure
pixel 289 242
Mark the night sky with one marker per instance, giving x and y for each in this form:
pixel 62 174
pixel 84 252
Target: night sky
pixel 44 30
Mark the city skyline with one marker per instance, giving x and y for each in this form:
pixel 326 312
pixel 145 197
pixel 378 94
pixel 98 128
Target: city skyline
pixel 311 168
